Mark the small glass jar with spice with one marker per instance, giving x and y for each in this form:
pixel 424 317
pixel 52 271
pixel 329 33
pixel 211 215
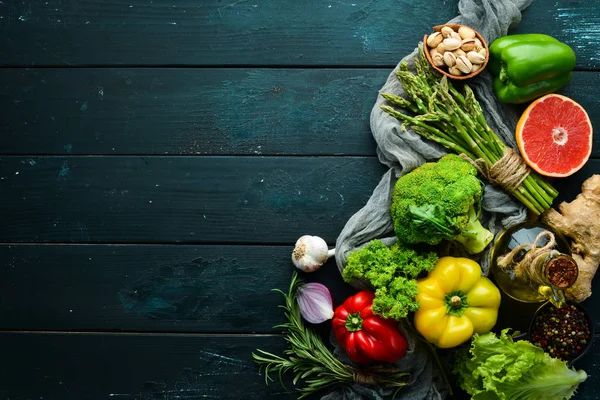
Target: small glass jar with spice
pixel 531 263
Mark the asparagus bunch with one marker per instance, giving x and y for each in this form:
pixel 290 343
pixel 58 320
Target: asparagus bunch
pixel 455 120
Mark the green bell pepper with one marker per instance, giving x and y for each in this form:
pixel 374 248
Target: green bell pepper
pixel 528 66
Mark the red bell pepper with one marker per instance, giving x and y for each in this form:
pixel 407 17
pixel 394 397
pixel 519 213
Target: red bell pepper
pixel 367 337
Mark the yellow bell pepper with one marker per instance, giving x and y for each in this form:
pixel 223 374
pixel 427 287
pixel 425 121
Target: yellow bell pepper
pixel 456 301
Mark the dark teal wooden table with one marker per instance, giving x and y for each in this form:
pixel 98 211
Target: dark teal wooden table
pixel 159 159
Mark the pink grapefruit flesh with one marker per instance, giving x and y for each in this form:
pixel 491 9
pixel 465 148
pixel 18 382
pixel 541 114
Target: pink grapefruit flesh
pixel 554 135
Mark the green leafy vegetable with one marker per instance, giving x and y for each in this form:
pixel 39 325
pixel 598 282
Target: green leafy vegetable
pixel 500 368
pixel 392 271
pixel 440 201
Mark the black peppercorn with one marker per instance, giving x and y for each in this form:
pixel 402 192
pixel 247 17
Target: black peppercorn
pixel 562 332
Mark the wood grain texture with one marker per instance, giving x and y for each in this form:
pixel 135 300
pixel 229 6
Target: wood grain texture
pixel 181 199
pixel 134 367
pixel 149 288
pixel 259 200
pixel 213 32
pixel 188 111
pixel 158 367
pixel 202 289
pixel 163 159
pixel 259 32
pixel 203 111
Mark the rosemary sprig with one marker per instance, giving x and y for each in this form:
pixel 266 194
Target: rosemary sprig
pixel 443 114
pixel 309 359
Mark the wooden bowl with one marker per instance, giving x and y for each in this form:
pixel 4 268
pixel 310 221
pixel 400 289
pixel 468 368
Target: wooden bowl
pixel 438 28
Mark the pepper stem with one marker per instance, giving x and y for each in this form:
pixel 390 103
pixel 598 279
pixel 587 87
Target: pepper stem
pixel 354 322
pixel 455 302
pixel 503 74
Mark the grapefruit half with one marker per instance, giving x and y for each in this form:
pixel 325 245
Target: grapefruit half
pixel 554 135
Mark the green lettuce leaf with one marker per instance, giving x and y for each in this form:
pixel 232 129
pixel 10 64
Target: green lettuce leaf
pixel 498 368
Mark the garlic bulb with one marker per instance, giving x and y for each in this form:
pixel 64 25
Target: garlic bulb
pixel 310 253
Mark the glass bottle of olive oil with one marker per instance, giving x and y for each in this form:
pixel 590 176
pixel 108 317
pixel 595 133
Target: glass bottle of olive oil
pixel 531 263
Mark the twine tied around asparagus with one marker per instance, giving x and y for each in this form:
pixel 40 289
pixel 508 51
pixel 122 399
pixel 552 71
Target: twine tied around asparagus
pixel 527 266
pixel 508 172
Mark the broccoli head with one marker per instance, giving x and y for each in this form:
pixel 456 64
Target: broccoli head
pixel 392 272
pixel 440 201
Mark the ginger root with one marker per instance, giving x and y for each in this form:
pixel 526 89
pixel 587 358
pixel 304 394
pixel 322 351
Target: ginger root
pixel 579 221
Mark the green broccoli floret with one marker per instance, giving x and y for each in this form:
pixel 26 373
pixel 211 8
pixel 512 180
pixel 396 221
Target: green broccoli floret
pixel 392 271
pixel 440 201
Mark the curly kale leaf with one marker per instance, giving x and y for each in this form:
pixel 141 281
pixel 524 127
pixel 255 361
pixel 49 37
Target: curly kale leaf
pixel 392 271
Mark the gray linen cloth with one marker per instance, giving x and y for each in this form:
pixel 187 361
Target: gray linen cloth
pixel 402 151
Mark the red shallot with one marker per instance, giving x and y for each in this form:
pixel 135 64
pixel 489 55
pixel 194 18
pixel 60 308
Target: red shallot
pixel 316 304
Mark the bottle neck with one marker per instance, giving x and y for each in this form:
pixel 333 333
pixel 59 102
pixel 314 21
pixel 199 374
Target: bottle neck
pixel 555 269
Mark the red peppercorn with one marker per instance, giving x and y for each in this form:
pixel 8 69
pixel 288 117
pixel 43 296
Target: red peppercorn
pixel 561 332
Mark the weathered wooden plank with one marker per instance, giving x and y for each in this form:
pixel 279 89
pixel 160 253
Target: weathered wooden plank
pixel 213 32
pixel 181 199
pixel 188 111
pixel 169 289
pixel 166 367
pixel 259 32
pixel 190 199
pixel 149 288
pixel 203 111
pixel 134 367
